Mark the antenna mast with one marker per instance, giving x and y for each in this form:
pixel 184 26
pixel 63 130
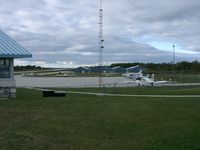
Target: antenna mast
pixel 101 40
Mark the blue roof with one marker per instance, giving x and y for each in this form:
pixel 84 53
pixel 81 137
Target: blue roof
pixel 85 68
pixel 9 48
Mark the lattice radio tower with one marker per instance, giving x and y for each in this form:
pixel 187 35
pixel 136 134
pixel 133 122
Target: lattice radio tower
pixel 101 46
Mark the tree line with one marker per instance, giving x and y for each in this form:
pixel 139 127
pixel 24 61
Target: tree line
pixel 180 67
pixel 28 67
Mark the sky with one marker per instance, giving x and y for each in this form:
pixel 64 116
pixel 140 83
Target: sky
pixel 64 33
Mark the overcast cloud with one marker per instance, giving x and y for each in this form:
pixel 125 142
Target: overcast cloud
pixel 64 33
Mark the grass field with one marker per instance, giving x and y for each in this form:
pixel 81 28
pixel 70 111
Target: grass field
pixel 187 90
pixel 82 122
pixel 179 78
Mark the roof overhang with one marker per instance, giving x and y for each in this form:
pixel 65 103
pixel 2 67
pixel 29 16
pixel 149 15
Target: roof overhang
pixel 16 56
pixel 9 48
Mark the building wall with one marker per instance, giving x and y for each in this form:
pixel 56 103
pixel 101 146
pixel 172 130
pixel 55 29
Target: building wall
pixel 82 70
pixel 7 85
pixel 102 69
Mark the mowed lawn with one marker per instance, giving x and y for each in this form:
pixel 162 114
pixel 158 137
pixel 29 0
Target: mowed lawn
pixel 176 90
pixel 84 122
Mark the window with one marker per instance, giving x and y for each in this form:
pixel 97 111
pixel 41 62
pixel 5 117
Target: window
pixel 4 68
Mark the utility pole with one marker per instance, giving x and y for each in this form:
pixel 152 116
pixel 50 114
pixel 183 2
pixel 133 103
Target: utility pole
pixel 101 40
pixel 174 61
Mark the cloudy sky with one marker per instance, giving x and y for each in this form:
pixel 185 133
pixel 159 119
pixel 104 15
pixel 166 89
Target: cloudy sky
pixel 64 33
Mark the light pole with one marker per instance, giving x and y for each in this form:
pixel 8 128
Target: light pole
pixel 174 61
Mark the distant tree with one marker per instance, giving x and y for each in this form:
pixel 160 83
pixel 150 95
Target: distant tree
pixel 179 67
pixel 28 67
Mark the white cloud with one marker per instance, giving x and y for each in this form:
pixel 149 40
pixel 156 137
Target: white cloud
pixel 58 30
pixel 57 64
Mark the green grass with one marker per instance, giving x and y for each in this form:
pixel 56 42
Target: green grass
pixel 179 78
pixel 188 90
pixel 95 123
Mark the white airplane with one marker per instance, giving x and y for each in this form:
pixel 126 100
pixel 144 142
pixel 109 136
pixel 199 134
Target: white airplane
pixel 141 80
pixel 133 75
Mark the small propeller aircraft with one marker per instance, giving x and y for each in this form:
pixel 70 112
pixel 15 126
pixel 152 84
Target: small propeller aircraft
pixel 140 80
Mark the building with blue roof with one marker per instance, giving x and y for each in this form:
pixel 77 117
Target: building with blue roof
pixel 9 50
pixel 82 70
pixel 98 69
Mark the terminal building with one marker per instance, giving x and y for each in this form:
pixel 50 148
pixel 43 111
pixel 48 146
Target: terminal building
pixel 9 50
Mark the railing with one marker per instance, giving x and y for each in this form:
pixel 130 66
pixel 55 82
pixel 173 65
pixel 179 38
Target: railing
pixel 5 72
